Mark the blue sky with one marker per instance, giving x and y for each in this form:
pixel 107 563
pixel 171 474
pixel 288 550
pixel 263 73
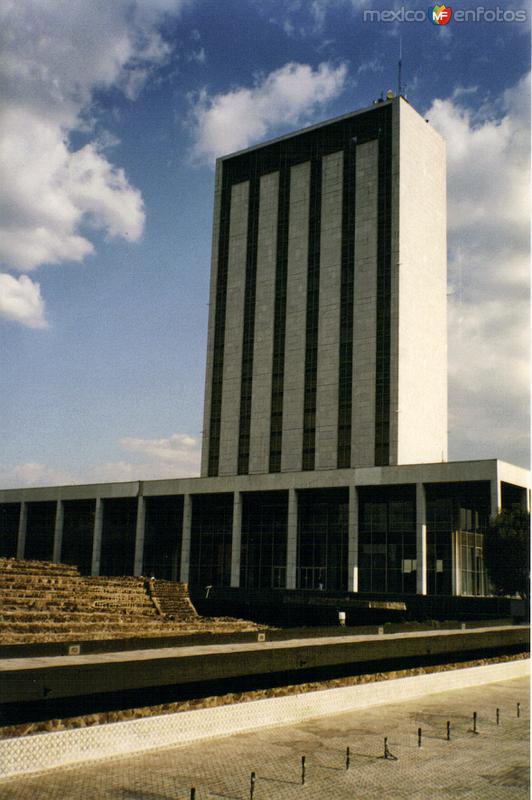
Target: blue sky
pixel 113 116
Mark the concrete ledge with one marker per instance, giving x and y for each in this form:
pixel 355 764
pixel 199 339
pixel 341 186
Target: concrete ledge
pixel 31 680
pixel 48 750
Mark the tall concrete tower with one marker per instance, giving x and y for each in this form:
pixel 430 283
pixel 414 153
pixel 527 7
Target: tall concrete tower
pixel 327 323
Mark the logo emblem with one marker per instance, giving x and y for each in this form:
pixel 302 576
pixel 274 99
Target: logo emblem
pixel 440 15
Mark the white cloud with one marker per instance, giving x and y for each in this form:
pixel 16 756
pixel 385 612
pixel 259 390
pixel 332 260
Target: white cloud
pixel 49 191
pixel 198 56
pixel 175 456
pixel 21 301
pixel 488 180
pixel 232 121
pixel 302 18
pixel 34 474
pixel 179 448
pixel 137 471
pixel 54 56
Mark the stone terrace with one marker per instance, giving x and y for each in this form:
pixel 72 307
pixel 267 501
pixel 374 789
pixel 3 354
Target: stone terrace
pixel 42 601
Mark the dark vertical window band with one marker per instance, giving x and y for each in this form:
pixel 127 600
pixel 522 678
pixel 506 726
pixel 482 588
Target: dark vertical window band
pixel 219 327
pixel 248 338
pixel 384 290
pixel 279 320
pixel 345 379
pixel 312 316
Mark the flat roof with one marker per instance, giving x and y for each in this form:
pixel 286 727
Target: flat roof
pixel 316 126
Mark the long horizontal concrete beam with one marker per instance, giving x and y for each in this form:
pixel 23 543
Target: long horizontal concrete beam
pixel 26 680
pixel 449 471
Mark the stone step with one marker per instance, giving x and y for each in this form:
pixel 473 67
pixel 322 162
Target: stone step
pixel 86 615
pixel 67 591
pixel 18 566
pixel 75 601
pixel 69 586
pixel 58 626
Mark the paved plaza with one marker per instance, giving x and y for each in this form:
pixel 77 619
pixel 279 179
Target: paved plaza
pixel 490 765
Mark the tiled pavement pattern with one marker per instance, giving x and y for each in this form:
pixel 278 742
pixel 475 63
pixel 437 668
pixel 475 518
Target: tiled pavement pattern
pixel 489 766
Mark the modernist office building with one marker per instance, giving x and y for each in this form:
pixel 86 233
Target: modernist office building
pixel 324 461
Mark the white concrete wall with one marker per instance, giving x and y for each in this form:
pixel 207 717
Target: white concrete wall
pixel 329 312
pixel 236 284
pixel 365 306
pixel 259 445
pixel 422 293
pixel 296 306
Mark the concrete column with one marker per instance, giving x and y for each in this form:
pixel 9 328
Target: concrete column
pixel 352 548
pixel 421 539
pixel 58 531
pixel 329 322
pixel 259 445
pixel 291 540
pixel 22 525
pixel 185 539
pixel 97 537
pixel 234 315
pixel 296 309
pixel 236 539
pixel 456 574
pixel 496 500
pixel 139 535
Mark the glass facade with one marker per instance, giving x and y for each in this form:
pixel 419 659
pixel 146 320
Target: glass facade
pixel 9 517
pixel 312 316
pixel 40 531
pixel 118 536
pixel 210 552
pixel 279 326
pixel 440 524
pixel 470 555
pixel 263 540
pixel 78 529
pixel 384 293
pixel 322 540
pixel 215 420
pixel 387 539
pixel 162 537
pixel 457 517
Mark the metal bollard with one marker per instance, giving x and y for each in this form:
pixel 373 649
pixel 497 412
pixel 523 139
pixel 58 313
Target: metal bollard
pixel 519 709
pixel 419 734
pixel 252 786
pixel 448 731
pixel 475 722
pixel 302 770
pixel 387 754
pixel 347 758
pixel 497 715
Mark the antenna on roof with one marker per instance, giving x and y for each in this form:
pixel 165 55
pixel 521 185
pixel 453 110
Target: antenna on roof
pixel 400 88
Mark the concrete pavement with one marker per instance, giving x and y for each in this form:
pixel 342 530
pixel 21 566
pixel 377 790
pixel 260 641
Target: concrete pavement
pixel 492 765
